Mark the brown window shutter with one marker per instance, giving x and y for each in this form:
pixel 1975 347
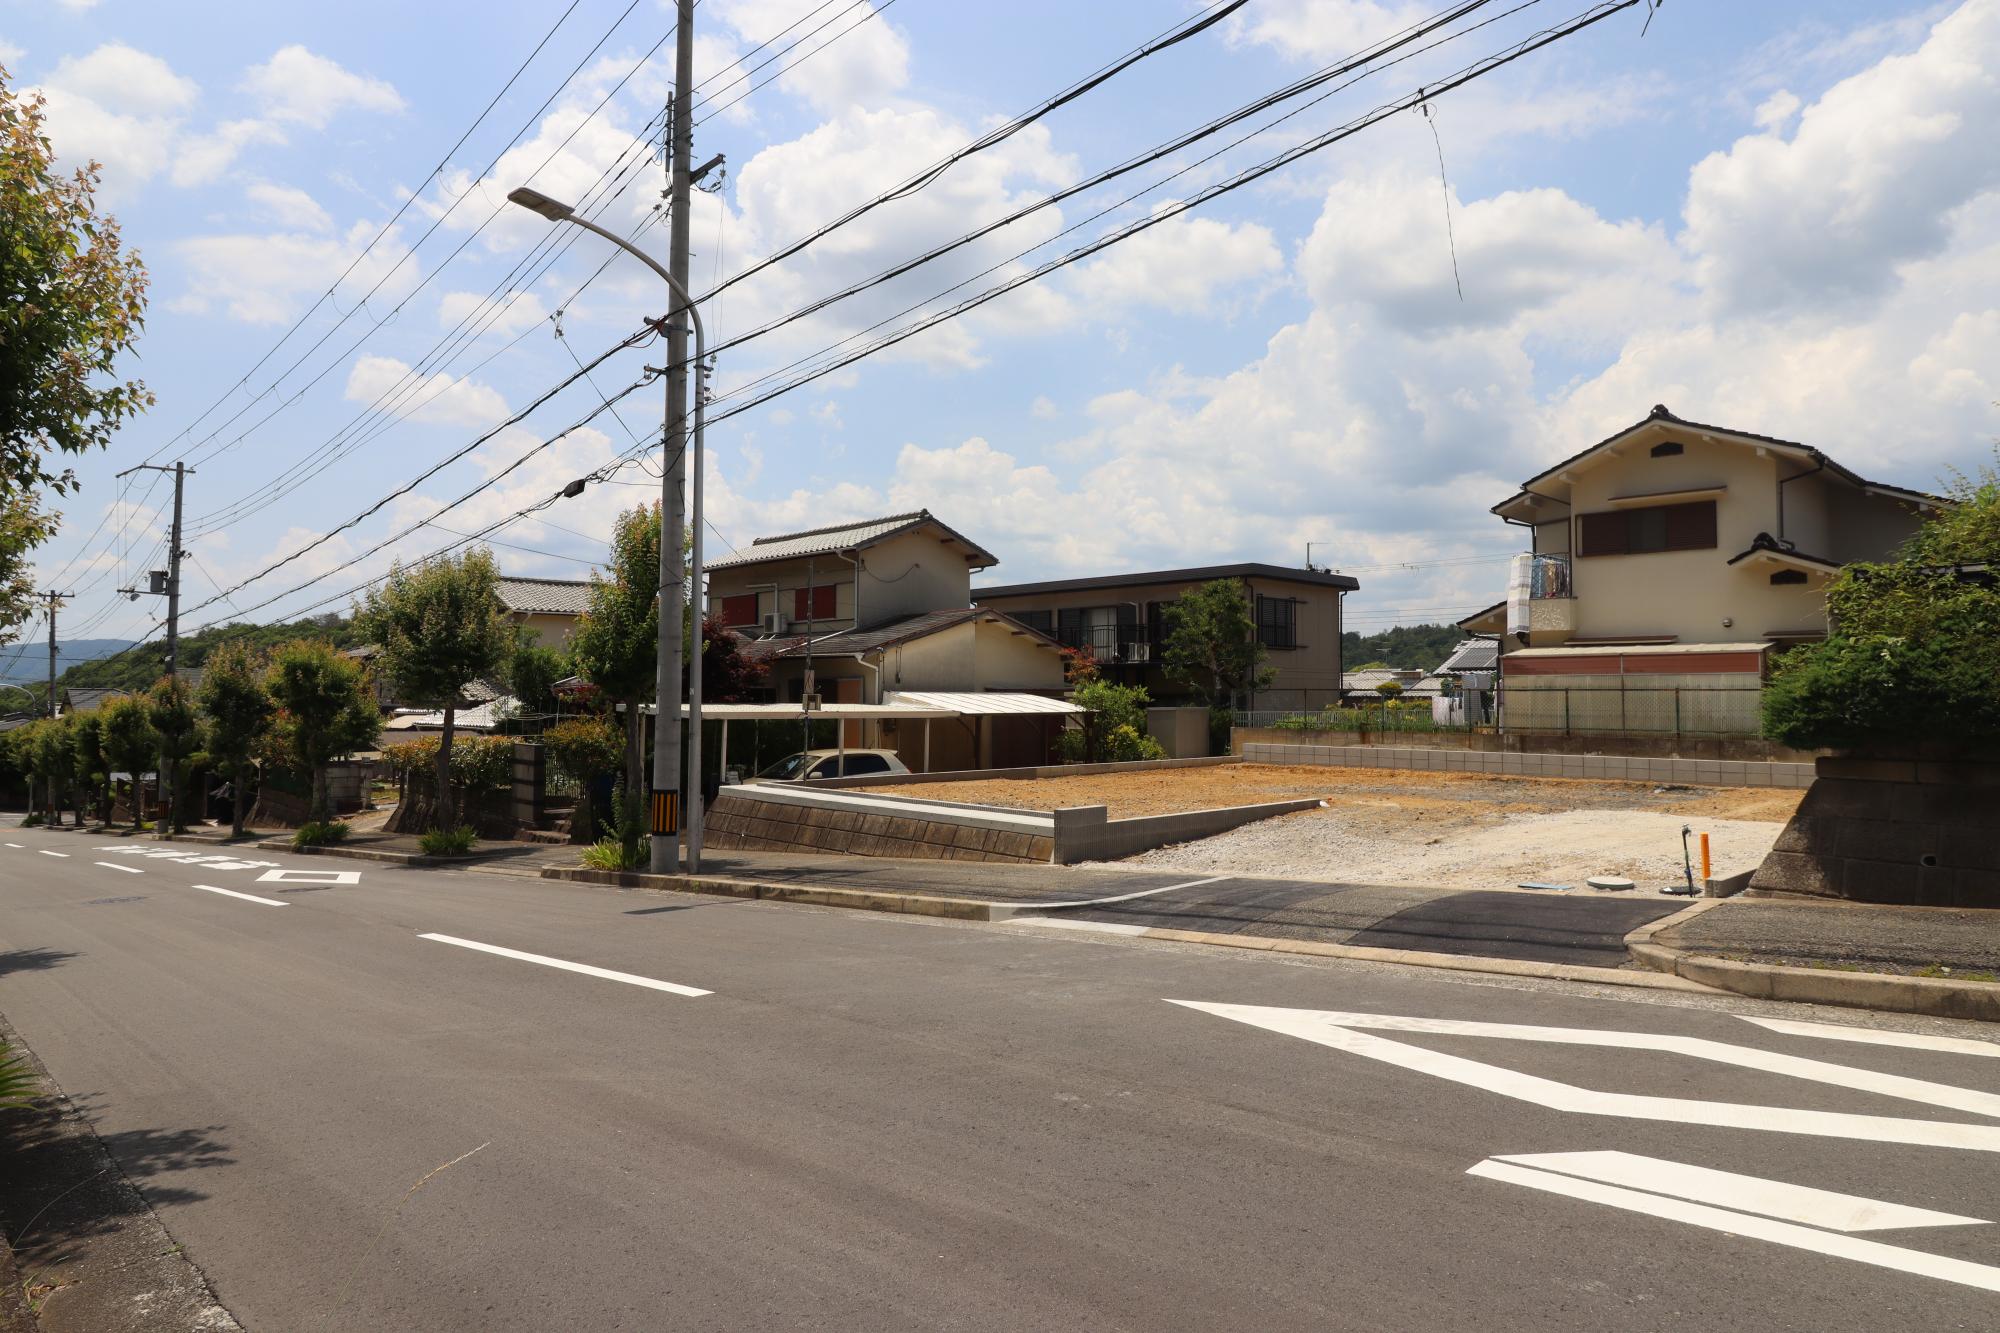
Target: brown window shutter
pixel 740 610
pixel 1602 534
pixel 1691 527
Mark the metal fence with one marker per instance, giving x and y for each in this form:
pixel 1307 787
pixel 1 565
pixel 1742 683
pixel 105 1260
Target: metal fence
pixel 1646 710
pixel 1732 710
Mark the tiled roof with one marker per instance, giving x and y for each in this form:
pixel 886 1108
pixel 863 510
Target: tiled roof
pixel 877 637
pixel 848 537
pixel 549 597
pixel 1200 574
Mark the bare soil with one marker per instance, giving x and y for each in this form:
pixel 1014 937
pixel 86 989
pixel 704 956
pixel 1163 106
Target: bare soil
pixel 1168 791
pixel 1381 826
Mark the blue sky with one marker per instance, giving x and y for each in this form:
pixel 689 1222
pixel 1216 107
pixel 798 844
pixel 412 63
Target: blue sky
pixel 1780 216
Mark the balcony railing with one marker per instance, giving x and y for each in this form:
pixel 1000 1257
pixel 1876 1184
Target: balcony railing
pixel 1110 644
pixel 1540 596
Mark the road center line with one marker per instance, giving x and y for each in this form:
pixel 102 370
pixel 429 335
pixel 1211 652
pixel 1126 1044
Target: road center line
pixel 113 865
pixel 246 897
pixel 17 846
pixel 45 852
pixel 1915 1041
pixel 585 968
pixel 1797 1237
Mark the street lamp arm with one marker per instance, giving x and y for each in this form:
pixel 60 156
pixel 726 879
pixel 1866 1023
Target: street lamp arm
pixel 680 293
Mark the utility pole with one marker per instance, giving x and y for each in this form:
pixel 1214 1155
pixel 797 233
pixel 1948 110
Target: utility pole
pixel 170 584
pixel 55 599
pixel 666 802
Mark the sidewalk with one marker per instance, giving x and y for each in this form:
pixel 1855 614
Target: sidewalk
pixel 1928 960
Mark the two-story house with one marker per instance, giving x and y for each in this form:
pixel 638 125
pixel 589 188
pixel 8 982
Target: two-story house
pixel 1667 564
pixel 880 610
pixel 1120 618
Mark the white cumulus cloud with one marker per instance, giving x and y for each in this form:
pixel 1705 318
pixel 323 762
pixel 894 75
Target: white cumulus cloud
pixel 297 85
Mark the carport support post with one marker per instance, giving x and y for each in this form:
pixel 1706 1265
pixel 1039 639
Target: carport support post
pixel 927 745
pixel 722 759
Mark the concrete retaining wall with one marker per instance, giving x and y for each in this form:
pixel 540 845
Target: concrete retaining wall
pixel 793 820
pixel 1600 767
pixel 1903 831
pixel 1084 834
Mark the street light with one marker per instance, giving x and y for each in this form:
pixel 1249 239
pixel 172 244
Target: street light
pixel 667 709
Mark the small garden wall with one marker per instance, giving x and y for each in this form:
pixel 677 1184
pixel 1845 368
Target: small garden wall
pixel 1740 749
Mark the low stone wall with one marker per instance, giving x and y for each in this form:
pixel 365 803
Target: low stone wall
pixel 790 820
pixel 1903 831
pixel 1601 767
pixel 1744 749
pixel 1083 833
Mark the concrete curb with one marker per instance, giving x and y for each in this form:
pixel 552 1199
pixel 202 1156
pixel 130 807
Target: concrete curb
pixel 417 860
pixel 1934 997
pixel 1451 962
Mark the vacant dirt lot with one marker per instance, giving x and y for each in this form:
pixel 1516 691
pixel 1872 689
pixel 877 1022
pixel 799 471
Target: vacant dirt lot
pixel 1387 827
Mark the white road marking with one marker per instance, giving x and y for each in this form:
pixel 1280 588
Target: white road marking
pixel 45 852
pixel 1747 1194
pixel 1721 1052
pixel 17 846
pixel 246 897
pixel 310 877
pixel 1915 1041
pixel 1142 893
pixel 113 865
pixel 567 966
pixel 1742 1224
pixel 1102 927
pixel 1331 1030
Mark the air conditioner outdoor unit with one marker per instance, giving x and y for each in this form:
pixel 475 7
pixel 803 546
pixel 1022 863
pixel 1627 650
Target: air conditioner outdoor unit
pixel 1139 652
pixel 774 623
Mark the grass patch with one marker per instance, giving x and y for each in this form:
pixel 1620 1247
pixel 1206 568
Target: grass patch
pixel 320 835
pixel 610 854
pixel 446 841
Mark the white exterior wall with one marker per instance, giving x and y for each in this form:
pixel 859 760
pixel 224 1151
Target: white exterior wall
pixel 903 576
pixel 1690 593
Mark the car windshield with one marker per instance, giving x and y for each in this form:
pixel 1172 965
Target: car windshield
pixel 787 768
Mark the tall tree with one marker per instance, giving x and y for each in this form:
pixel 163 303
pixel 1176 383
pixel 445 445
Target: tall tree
pixel 239 712
pixel 441 627
pixel 326 710
pixel 1212 642
pixel 532 672
pixel 72 301
pixel 170 708
pixel 93 767
pixel 130 743
pixel 616 642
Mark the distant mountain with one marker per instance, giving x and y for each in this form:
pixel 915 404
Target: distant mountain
pixel 1420 647
pixel 29 660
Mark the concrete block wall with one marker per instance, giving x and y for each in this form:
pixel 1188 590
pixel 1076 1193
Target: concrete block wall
pixel 1084 834
pixel 754 819
pixel 1595 767
pixel 1907 832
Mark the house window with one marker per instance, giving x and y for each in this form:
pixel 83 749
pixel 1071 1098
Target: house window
pixel 1069 626
pixel 1785 576
pixel 1667 450
pixel 818 606
pixel 740 610
pixel 1682 527
pixel 1277 622
pixel 1044 621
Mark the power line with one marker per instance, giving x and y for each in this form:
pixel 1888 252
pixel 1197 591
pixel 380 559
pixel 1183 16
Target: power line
pixel 1169 212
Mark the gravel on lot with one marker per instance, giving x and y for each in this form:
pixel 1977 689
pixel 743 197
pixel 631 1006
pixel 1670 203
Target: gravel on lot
pixel 1380 826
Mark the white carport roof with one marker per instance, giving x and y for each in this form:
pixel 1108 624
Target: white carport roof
pixel 844 712
pixel 993 704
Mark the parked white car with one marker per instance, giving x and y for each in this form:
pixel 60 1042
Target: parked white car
pixel 810 765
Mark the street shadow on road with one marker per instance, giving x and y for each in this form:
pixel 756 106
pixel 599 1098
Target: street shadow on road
pixel 32 960
pixel 66 1184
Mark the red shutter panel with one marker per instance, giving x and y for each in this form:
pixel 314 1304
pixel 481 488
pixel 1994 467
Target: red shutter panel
pixel 1691 527
pixel 823 602
pixel 1602 534
pixel 740 610
pixel 799 604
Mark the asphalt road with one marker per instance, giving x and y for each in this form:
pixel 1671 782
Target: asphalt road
pixel 879 1122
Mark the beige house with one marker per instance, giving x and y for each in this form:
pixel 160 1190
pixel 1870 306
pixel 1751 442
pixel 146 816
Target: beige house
pixel 1667 563
pixel 860 611
pixel 546 608
pixel 1120 618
